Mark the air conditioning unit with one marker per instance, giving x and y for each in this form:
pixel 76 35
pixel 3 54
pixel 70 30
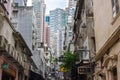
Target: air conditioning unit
pixel 89 13
pixel 3 44
pixel 4 1
pixel 11 49
pixel 14 53
pixel 84 25
pixel 24 50
pixel 15 4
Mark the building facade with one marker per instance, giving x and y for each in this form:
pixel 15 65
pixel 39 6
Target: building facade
pixel 25 21
pixel 69 29
pixel 20 2
pixel 39 9
pixel 83 38
pixel 60 40
pixel 22 21
pixel 58 21
pixel 107 34
pixel 47 35
pixel 15 56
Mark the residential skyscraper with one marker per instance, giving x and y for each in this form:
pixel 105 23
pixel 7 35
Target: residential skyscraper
pixel 58 22
pixel 39 8
pixel 47 34
pixel 58 18
pixel 60 40
pixel 69 28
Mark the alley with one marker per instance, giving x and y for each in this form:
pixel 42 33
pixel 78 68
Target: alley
pixel 59 40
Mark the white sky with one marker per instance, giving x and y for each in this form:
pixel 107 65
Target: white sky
pixel 29 3
pixel 53 4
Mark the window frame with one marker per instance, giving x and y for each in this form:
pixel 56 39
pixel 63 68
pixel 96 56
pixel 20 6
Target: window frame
pixel 115 7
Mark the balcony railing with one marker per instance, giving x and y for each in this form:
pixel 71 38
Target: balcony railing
pixel 2 2
pixel 10 52
pixel 3 44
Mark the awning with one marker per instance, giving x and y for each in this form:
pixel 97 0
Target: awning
pixel 35 76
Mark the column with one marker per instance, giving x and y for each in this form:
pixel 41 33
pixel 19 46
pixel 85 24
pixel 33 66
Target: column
pixel 106 73
pixel 16 75
pixel 118 65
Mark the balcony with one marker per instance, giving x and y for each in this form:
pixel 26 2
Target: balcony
pixel 3 44
pixel 3 1
pixel 89 13
pixel 2 7
pixel 9 52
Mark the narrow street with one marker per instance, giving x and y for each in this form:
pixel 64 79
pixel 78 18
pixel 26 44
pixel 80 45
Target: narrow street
pixel 59 40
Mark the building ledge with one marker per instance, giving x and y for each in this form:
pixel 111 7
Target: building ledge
pixel 108 44
pixel 116 17
pixel 113 57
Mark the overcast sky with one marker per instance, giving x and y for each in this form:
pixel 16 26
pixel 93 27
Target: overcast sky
pixel 53 4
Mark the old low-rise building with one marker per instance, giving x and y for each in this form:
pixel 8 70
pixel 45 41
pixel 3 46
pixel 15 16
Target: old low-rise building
pixel 107 34
pixel 15 56
pixel 83 38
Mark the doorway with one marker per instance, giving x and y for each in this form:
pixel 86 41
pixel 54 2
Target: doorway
pixel 7 76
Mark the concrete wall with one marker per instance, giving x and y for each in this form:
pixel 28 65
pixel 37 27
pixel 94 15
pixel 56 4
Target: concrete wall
pixel 25 24
pixel 103 22
pixel 6 31
pixel 107 32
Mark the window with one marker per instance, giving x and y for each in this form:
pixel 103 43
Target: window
pixel 70 34
pixel 15 25
pixel 115 7
pixel 15 14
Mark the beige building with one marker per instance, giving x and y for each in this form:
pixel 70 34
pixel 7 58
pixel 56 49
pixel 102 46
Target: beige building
pixel 107 34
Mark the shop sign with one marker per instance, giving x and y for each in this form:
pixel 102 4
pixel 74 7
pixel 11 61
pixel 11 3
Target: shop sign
pixel 83 70
pixel 5 66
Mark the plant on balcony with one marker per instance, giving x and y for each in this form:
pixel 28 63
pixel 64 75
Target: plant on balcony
pixel 69 61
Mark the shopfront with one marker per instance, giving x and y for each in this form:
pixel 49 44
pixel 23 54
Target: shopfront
pixel 7 76
pixel 35 76
pixel 8 72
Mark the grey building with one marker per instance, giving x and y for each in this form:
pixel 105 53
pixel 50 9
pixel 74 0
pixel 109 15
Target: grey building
pixel 22 21
pixel 20 2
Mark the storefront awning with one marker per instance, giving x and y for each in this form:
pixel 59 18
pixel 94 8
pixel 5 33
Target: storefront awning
pixel 35 76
